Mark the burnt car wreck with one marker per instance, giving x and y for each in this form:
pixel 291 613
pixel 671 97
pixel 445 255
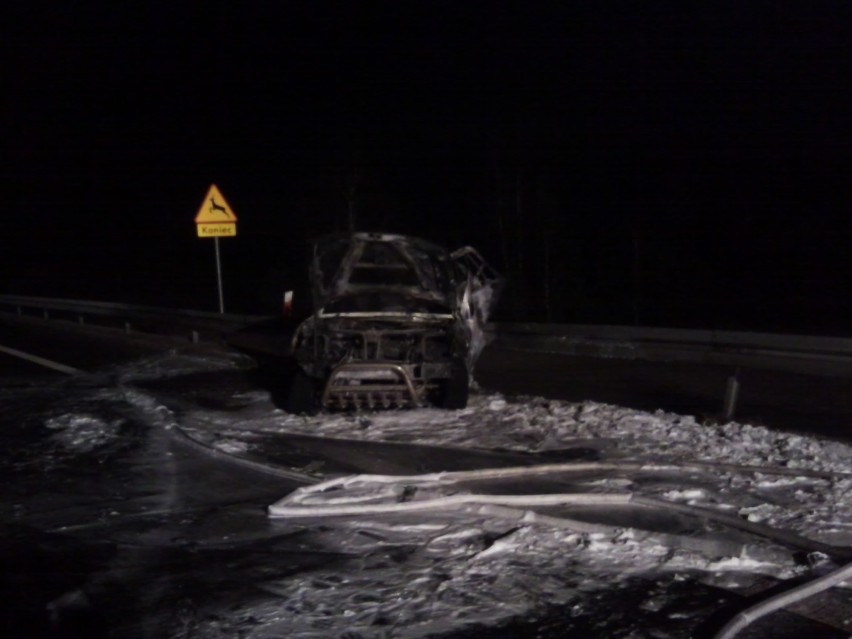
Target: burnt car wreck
pixel 397 322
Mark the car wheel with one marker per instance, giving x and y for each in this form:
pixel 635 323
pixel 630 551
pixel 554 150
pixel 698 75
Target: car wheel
pixel 456 389
pixel 302 395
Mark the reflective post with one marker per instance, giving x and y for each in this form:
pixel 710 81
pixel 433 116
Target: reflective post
pixel 732 391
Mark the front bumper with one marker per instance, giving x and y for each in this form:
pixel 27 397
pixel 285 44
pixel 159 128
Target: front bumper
pixel 372 385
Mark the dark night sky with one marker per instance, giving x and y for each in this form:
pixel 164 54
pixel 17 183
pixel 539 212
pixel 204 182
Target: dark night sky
pixel 666 163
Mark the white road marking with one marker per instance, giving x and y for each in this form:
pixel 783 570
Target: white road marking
pixel 41 361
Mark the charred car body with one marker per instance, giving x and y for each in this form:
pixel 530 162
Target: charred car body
pixel 397 322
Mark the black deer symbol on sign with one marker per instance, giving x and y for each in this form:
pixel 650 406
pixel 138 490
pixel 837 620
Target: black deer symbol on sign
pixel 217 207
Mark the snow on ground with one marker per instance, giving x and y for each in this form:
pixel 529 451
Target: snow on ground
pixel 416 581
pixel 81 432
pixel 416 574
pixel 532 424
pixel 818 507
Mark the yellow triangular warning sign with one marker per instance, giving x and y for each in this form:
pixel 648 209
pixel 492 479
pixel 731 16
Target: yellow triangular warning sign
pixel 214 208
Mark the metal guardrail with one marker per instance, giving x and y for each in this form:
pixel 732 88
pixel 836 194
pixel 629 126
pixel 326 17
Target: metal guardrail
pixel 801 353
pixel 131 317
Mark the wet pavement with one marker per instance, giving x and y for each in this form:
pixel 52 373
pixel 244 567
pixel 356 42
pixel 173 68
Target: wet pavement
pixel 109 541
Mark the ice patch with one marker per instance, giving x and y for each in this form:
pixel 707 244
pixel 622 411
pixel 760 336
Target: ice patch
pixel 83 433
pixel 232 446
pixel 685 495
pixel 497 404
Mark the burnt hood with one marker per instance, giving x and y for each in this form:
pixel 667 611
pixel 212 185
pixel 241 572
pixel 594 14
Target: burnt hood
pixel 377 271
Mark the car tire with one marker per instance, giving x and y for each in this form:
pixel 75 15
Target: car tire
pixel 302 395
pixel 456 389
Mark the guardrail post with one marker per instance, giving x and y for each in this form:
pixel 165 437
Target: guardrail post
pixel 195 337
pixel 127 327
pixel 732 391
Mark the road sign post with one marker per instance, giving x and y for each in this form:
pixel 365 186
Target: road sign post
pixel 219 276
pixel 215 218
